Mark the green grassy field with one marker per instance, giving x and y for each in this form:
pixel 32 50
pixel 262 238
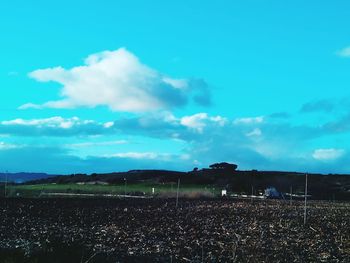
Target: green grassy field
pixel 130 189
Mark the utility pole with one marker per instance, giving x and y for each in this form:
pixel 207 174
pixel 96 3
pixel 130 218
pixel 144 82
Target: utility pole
pixel 305 199
pixel 124 187
pixel 177 192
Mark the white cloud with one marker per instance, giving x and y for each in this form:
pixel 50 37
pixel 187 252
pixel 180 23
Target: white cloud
pixel 49 122
pixel 108 124
pixel 96 144
pixel 221 121
pixel 328 154
pixel 140 155
pixel 116 79
pixel 200 120
pixel 55 126
pixel 249 120
pixel 7 146
pixel 30 106
pixel 255 132
pixel 345 52
pixel 195 121
pixel 176 83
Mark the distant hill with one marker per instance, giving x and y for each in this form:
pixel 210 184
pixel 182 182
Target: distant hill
pixel 331 186
pixel 23 177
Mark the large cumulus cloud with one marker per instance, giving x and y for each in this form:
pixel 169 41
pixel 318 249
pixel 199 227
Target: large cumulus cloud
pixel 119 80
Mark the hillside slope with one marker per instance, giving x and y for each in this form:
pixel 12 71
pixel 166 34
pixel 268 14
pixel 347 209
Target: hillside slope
pixel 320 186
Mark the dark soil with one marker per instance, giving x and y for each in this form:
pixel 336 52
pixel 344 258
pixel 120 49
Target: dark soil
pixel 107 230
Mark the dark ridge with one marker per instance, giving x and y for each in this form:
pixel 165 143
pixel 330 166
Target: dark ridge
pixel 223 175
pixel 23 177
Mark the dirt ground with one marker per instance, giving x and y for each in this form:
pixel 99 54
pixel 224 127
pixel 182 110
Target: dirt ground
pixel 154 230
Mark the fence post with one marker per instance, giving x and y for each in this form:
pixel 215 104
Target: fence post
pixel 177 192
pixel 305 199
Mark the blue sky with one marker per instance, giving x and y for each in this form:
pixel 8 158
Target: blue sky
pixel 101 86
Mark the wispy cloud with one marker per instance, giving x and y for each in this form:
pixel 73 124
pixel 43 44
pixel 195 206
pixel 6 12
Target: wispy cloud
pixel 30 106
pixel 328 154
pixel 345 52
pixel 96 144
pixel 141 155
pixel 249 120
pixel 119 80
pixel 6 146
pixel 55 126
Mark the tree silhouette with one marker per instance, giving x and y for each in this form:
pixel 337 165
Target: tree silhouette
pixel 224 166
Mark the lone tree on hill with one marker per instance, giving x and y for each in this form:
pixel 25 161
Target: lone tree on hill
pixel 224 166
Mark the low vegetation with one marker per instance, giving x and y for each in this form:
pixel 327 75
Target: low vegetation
pixel 135 189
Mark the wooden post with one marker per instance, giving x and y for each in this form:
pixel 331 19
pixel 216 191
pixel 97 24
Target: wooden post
pixel 177 192
pixel 305 199
pixel 124 187
pixel 251 197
